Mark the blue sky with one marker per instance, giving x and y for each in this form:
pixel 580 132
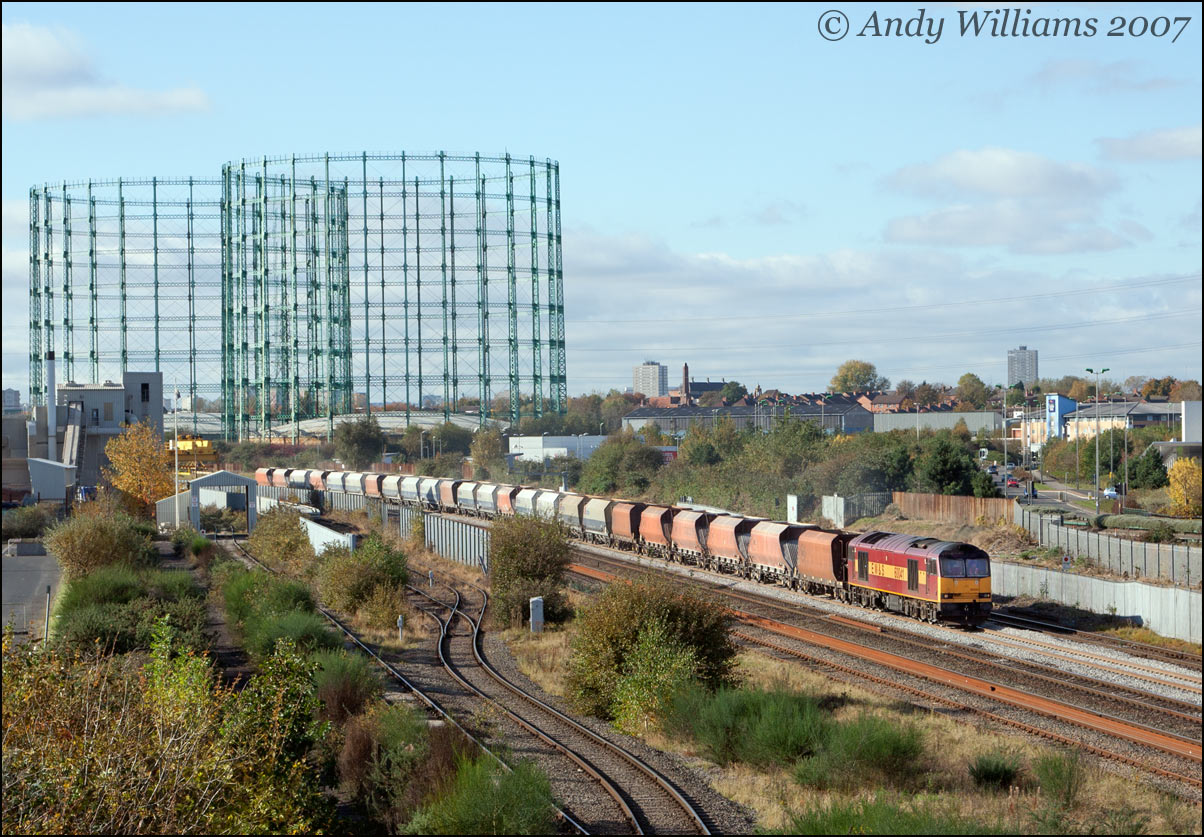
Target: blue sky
pixel 728 177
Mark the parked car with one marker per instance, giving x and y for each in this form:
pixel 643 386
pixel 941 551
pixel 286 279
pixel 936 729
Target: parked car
pixel 1013 482
pixel 992 470
pixel 1111 493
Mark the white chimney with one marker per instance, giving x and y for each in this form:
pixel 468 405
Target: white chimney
pixel 52 424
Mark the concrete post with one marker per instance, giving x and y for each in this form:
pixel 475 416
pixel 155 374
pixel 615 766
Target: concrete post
pixel 430 578
pixel 401 628
pixel 537 615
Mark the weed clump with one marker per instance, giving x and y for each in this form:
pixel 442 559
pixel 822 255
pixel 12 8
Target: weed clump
pixel 85 543
pixel 527 558
pixel 865 746
pixel 345 684
pixel 997 770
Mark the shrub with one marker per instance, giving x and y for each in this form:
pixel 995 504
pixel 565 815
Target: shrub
pixel 84 750
pixel 656 668
pixel 1160 533
pixel 610 630
pixel 83 544
pixel 997 770
pixel 382 607
pixel 278 537
pixel 120 627
pixel 347 579
pixel 345 683
pixel 116 584
pixel 749 725
pixel 866 745
pixel 527 558
pixel 306 631
pixel 26 522
pixel 484 799
pixel 886 815
pixel 181 539
pixel 1061 776
pixel 240 591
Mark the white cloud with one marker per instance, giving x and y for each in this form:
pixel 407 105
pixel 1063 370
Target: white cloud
pixel 1175 144
pixel 1001 172
pixel 1024 202
pixel 48 73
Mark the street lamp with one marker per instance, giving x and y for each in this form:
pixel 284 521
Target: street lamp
pixel 1097 374
pixel 175 425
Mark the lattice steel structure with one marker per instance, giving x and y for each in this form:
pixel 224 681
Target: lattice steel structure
pixel 305 286
pixel 126 275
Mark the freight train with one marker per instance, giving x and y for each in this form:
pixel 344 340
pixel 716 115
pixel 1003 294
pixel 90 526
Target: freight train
pixel 922 577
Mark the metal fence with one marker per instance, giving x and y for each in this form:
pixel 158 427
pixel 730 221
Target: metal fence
pixel 844 510
pixel 1178 563
pixel 457 540
pixel 1170 611
pixel 952 509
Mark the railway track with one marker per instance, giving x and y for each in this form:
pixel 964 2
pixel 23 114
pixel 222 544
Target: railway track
pixel 1181 717
pixel 1137 649
pixel 1181 749
pixel 434 707
pixel 649 802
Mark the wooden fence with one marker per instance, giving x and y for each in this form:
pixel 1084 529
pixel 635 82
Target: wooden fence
pixel 950 509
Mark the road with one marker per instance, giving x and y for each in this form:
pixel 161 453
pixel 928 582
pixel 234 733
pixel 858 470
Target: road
pixel 25 578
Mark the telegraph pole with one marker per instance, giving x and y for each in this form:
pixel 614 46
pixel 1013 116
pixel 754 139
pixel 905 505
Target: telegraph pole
pixel 1097 374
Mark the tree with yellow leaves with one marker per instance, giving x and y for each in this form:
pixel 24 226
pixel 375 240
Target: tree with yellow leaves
pixel 140 467
pixel 1184 487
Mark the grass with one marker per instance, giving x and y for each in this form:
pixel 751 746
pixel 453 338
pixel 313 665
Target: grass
pixel 865 747
pixel 995 770
pixel 885 814
pixel 346 683
pixel 754 726
pixel 955 743
pixel 486 800
pixel 307 630
pixel 1148 637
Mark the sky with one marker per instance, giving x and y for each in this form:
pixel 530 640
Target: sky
pixel 738 192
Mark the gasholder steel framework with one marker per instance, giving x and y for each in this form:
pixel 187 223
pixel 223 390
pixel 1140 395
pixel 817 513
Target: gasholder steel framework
pixel 311 286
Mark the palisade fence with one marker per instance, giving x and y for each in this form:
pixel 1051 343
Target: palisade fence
pixel 952 509
pixel 844 510
pixel 1177 563
pixel 456 540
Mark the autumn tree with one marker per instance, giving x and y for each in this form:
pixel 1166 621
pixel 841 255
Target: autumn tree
pixel 359 443
pixel 905 388
pixel 1081 390
pixel 1185 391
pixel 1158 387
pixel 972 390
pixel 1184 489
pixel 140 467
pixel 487 456
pixel 926 395
pixel 856 375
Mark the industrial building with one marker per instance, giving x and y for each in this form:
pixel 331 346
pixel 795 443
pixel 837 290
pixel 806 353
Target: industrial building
pixel 834 418
pixel 1022 366
pixel 284 289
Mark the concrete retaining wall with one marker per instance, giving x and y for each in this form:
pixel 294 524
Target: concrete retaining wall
pixel 1169 611
pixel 321 536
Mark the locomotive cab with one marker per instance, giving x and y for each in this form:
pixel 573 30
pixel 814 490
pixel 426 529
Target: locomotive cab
pixel 965 583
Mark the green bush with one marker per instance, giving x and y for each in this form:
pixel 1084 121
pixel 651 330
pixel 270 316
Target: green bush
pixel 1160 533
pixel 172 585
pixel 1061 776
pixel 121 627
pixel 997 770
pixel 278 537
pixel 347 579
pixel 307 631
pixel 760 727
pixel 886 815
pixel 655 669
pixel 609 632
pixel 527 558
pixel 26 522
pixel 382 607
pixel 484 799
pixel 181 539
pixel 345 684
pixel 115 584
pixel 866 746
pixel 241 591
pixel 84 543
